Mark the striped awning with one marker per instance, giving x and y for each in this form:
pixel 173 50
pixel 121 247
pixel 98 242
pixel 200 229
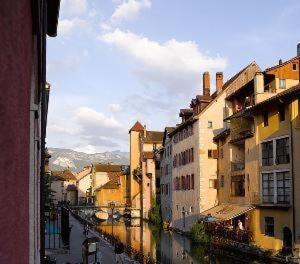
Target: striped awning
pixel 224 212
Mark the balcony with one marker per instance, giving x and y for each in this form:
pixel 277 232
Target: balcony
pixel 237 166
pixel 241 129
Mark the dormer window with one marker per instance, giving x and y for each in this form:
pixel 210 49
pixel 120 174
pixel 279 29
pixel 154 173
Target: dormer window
pixel 294 66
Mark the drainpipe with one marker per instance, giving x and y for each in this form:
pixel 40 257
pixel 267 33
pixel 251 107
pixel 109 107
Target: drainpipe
pixel 292 175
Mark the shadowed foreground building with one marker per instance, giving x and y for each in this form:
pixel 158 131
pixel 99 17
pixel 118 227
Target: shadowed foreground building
pixel 24 25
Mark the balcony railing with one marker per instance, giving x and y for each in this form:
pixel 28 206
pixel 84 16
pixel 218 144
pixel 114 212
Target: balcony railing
pixel 223 231
pixel 237 166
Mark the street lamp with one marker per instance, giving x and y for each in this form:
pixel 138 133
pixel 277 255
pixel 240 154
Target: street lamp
pixel 112 207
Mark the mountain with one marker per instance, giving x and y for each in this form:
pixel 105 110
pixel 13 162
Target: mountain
pixel 62 158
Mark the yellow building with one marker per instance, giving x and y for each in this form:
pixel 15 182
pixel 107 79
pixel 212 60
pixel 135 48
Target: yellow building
pixel 250 175
pixel 276 126
pixel 142 181
pixel 112 191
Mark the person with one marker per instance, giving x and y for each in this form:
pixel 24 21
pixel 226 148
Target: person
pixel 240 225
pixel 119 251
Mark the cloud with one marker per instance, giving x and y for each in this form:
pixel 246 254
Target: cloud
pixel 89 127
pixel 129 10
pixel 73 7
pixel 115 108
pixel 173 64
pixel 67 27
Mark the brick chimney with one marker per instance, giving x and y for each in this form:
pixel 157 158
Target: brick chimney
pixel 206 84
pixel 219 81
pixel 298 49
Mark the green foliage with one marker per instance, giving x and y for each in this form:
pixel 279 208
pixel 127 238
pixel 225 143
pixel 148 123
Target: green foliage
pixel 154 215
pixel 48 193
pixel 197 233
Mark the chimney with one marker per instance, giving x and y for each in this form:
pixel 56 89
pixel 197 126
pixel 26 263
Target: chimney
pixel 219 81
pixel 298 49
pixel 206 84
pixel 280 61
pixel 145 131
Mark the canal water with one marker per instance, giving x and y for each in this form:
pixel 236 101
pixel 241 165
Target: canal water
pixel 168 247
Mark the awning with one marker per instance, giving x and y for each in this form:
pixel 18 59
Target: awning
pixel 224 212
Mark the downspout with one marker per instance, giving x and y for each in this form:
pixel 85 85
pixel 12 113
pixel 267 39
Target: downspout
pixel 292 175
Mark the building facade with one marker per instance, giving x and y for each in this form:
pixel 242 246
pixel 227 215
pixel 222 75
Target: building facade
pixel 166 183
pixel 250 173
pixel 84 185
pixel 142 180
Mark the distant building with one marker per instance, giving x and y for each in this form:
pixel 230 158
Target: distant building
pixel 60 182
pixel 84 185
pixel 142 181
pixel 166 182
pixel 113 191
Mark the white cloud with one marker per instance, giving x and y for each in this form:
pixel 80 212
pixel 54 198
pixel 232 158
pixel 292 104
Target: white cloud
pixel 115 108
pixel 66 27
pixel 92 130
pixel 172 64
pixel 129 9
pixel 73 7
pixel 87 118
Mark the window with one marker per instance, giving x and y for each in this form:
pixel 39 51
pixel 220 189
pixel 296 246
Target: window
pixel 192 155
pixel 209 154
pixel 265 119
pixel 188 182
pixel 183 186
pixel 282 151
pixel 192 182
pixel 283 187
pixel 267 153
pixel 267 188
pixel 238 185
pixel 282 84
pixel 210 124
pixel 294 66
pixel 281 113
pixel 191 209
pixel 269 226
pixel 222 181
pixel 212 183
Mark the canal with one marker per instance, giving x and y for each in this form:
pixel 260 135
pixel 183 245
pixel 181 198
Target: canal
pixel 168 247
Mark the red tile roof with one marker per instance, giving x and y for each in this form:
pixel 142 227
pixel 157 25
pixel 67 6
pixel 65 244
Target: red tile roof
pixel 99 167
pixel 137 127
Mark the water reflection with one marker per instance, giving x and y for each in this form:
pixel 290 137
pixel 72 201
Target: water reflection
pixel 167 247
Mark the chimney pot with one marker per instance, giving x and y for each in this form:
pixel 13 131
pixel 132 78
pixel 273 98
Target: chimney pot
pixel 219 81
pixel 298 49
pixel 280 61
pixel 206 84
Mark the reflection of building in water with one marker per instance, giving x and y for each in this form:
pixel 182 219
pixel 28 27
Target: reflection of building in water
pixel 136 234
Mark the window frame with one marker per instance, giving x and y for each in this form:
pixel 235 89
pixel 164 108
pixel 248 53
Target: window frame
pixel 274 140
pixel 271 224
pixel 275 187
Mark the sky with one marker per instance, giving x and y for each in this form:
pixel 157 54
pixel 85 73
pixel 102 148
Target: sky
pixel 118 61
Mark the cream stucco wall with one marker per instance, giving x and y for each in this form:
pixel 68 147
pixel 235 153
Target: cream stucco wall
pixel 83 185
pixel 183 200
pixel 134 187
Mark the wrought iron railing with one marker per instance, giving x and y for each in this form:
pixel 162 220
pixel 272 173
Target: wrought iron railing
pixel 223 231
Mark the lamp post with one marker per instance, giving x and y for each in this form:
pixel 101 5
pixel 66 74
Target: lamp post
pixel 112 207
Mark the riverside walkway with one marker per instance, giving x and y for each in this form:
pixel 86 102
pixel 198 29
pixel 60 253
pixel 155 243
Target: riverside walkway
pixel 74 255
